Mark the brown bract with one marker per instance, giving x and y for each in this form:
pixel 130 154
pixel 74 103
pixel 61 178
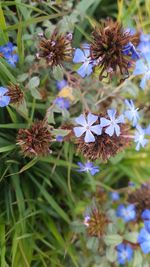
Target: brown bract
pixel 35 141
pixel 56 49
pixel 15 93
pixel 107 45
pixel 105 146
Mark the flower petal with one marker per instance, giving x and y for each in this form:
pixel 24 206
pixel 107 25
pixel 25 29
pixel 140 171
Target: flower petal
pixel 97 129
pixel 91 119
pixel 89 137
pixel 79 56
pixel 104 122
pixel 79 131
pixel 110 130
pixel 81 120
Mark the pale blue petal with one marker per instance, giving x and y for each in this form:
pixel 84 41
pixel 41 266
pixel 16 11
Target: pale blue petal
pixel 79 56
pixel 81 120
pixel 110 130
pixel 111 113
pixel 147 57
pixel 89 137
pixel 3 90
pixel 145 246
pixel 104 122
pixel 120 119
pixel 91 119
pixel 140 68
pixel 117 130
pixel 6 100
pixel 85 69
pixel 97 129
pixel 79 131
pixel 143 82
pixel 87 52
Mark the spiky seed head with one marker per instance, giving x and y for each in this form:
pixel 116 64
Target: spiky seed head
pixel 56 50
pixel 140 198
pixel 97 223
pixel 107 46
pixel 36 140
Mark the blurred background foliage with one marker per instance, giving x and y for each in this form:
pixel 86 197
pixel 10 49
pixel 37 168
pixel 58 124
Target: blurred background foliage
pixel 40 198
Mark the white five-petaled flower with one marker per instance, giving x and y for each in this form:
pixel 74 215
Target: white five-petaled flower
pixel 140 138
pixel 132 113
pixel 112 123
pixel 87 127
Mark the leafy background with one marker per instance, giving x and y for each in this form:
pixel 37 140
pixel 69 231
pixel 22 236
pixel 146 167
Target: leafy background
pixel 41 198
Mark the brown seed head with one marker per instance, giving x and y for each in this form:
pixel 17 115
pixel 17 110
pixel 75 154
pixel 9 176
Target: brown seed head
pixel 105 146
pixel 97 223
pixel 106 48
pixel 56 49
pixel 36 140
pixel 15 93
pixel 141 198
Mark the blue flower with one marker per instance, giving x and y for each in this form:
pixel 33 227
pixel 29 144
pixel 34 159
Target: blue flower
pixel 114 196
pixel 146 218
pixel 8 48
pixel 87 127
pixel 4 100
pixel 125 253
pixel 143 67
pixel 130 50
pixel 132 113
pixel 83 57
pixel 144 240
pixel 61 84
pixel 62 102
pixel 112 124
pixel 126 213
pixel 139 138
pixel 59 138
pixel 144 45
pixel 11 59
pixel 88 167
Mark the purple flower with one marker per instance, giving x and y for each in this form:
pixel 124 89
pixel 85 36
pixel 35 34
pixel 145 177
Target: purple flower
pixel 11 59
pixel 139 138
pixel 112 124
pixel 87 127
pixel 83 57
pixel 126 213
pixel 143 67
pixel 4 100
pixel 62 102
pixel 144 45
pixel 114 196
pixel 132 113
pixel 144 240
pixel 88 167
pixel 61 84
pixel 125 253
pixel 130 50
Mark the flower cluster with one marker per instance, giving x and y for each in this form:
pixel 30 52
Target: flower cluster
pixel 8 52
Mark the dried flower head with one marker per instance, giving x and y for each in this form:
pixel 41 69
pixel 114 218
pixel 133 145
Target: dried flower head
pixel 97 223
pixel 35 141
pixel 140 198
pixel 105 146
pixel 56 49
pixel 109 41
pixel 15 93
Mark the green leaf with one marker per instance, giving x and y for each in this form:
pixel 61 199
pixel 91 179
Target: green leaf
pixel 2 245
pixel 34 82
pixel 111 254
pixel 4 36
pixel 93 243
pixel 58 73
pixel 29 165
pixel 137 260
pixel 113 240
pixel 7 148
pixel 131 237
pixel 35 93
